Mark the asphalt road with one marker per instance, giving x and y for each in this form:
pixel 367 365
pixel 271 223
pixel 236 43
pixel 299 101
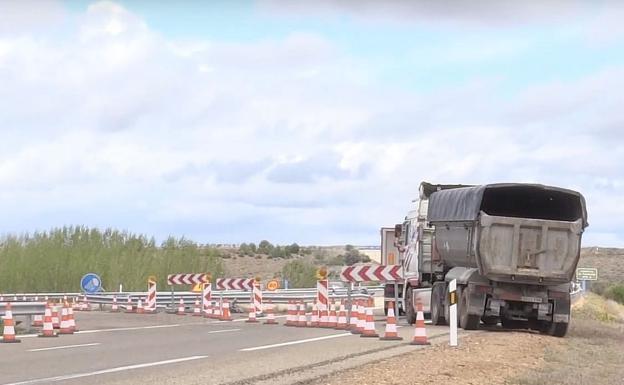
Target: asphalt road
pixel 170 349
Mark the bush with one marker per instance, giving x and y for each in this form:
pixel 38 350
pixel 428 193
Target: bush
pixel 55 261
pixel 616 293
pixel 300 273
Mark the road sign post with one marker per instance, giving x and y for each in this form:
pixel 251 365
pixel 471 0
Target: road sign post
pixel 453 312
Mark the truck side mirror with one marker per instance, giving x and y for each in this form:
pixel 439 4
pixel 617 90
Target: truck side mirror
pixel 398 229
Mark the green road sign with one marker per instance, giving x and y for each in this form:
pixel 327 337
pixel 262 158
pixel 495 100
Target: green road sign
pixel 587 274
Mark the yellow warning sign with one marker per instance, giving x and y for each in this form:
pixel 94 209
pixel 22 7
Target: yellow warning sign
pixel 273 285
pixel 151 279
pixel 197 288
pixel 321 273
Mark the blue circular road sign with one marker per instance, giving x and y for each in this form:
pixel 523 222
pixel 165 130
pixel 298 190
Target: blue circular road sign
pixel 91 283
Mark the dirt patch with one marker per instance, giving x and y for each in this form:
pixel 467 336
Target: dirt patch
pixel 485 358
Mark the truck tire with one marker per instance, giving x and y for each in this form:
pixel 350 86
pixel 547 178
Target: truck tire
pixel 410 314
pixel 437 304
pixel 466 321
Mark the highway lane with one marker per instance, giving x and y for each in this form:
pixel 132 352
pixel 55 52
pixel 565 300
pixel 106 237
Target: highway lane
pixel 163 348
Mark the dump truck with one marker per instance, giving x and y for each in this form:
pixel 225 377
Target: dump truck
pixel 512 247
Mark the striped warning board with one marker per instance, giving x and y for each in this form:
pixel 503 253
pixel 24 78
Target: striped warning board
pixel 187 279
pixel 235 283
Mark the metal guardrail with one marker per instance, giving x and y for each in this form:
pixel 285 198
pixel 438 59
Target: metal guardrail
pixel 164 298
pixel 23 308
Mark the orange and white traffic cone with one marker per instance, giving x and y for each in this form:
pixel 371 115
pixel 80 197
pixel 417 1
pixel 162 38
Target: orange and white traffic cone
pixel 8 334
pixel 129 306
pixel 391 333
pixel 140 309
pixel 333 319
pixel 48 328
pixel 65 325
pixel 353 319
pixel 369 328
pixel 56 321
pixel 197 309
pixel 225 316
pixel 72 321
pixel 301 320
pixel 323 315
pixel 342 318
pixel 114 307
pixel 181 310
pixel 314 319
pixel 252 315
pixel 218 309
pixel 210 310
pixel 270 315
pixel 420 333
pixel 37 320
pixel 289 314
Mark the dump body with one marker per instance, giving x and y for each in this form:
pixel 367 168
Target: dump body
pixel 511 232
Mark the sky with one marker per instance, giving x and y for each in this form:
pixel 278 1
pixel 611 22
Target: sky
pixel 298 121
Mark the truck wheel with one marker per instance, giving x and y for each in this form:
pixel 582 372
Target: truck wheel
pixel 558 329
pixel 437 304
pixel 410 314
pixel 466 321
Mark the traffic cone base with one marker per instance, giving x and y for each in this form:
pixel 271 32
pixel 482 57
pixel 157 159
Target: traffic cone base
pixel 8 334
pixel 391 333
pixel 369 328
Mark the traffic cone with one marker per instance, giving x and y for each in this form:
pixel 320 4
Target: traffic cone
pixel 420 333
pixel 37 320
pixel 197 309
pixel 333 320
pixel 390 333
pixel 301 320
pixel 140 309
pixel 208 311
pixel 65 325
pixel 72 321
pixel 270 315
pixel 114 307
pixel 48 328
pixel 56 322
pixel 369 328
pixel 323 315
pixel 314 319
pixel 342 318
pixel 129 306
pixel 181 310
pixel 289 314
pixel 8 335
pixel 218 309
pixel 353 319
pixel 226 311
pixel 252 315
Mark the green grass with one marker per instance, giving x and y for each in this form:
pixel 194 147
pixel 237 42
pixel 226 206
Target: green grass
pixel 55 261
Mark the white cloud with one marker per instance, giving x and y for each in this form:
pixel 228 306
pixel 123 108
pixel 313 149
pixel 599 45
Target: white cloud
pixel 113 124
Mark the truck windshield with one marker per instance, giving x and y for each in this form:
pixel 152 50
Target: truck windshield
pixel 531 202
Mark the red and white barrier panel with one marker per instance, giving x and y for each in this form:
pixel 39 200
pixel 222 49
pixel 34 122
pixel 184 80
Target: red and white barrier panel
pixel 235 283
pixel 187 279
pixel 207 300
pixel 257 298
pixel 368 273
pixel 150 302
pixel 322 298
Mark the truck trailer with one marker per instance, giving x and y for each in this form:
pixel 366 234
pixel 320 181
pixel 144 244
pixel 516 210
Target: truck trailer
pixel 513 249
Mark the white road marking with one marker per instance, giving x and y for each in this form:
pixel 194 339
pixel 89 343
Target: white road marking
pixel 223 331
pixel 105 371
pixel 126 329
pixel 295 342
pixel 64 347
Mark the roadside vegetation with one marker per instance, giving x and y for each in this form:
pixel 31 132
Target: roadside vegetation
pixel 592 352
pixel 55 260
